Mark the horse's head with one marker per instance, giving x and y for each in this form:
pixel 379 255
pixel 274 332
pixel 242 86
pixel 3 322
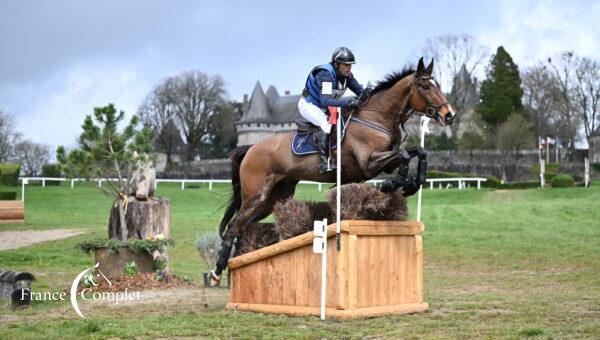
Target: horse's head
pixel 430 99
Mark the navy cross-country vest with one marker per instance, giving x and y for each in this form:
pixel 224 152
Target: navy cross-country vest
pixel 314 91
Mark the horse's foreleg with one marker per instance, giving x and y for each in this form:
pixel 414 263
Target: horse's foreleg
pixel 378 161
pixel 409 185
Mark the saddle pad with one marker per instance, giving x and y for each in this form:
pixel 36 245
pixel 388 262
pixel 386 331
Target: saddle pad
pixel 304 144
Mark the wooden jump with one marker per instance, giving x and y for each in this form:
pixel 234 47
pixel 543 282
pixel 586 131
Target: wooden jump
pixel 378 271
pixel 12 212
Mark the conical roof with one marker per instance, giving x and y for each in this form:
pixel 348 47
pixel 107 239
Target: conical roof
pixel 258 110
pixel 272 96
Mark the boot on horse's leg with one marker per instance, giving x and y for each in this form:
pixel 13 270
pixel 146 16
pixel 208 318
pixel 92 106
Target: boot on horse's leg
pixel 215 275
pixel 323 144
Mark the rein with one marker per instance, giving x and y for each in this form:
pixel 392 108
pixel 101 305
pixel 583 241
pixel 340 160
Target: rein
pixel 432 111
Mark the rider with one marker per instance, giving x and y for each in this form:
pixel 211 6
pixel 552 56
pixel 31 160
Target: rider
pixel 324 87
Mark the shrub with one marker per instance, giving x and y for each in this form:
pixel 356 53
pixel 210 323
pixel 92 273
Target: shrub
pixel 551 169
pixel 130 268
pixel 563 181
pixel 51 170
pixel 208 246
pixel 8 195
pixel 9 174
pixel 492 182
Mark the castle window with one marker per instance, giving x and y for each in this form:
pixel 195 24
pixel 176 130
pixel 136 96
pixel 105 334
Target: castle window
pixel 268 124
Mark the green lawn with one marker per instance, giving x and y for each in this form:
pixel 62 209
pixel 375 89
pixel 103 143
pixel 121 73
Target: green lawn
pixel 498 263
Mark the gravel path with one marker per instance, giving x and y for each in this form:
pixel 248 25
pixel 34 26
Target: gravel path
pixel 20 239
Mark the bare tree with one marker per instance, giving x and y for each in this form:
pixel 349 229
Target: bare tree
pixel 539 86
pixel 196 97
pixel 587 94
pixel 563 69
pixel 158 112
pixel 451 52
pixel 31 156
pixel 8 136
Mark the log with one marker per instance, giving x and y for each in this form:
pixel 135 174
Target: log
pixel 142 219
pixel 12 212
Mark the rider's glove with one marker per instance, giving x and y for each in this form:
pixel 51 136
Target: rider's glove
pixel 353 103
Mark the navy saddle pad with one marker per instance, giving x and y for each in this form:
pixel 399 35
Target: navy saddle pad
pixel 304 144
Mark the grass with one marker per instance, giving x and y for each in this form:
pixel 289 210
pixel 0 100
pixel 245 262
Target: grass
pixel 498 263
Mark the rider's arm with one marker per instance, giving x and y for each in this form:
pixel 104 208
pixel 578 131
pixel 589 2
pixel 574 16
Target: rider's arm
pixel 326 98
pixel 354 86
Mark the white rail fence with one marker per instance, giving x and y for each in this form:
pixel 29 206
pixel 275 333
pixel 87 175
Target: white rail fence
pixel 461 183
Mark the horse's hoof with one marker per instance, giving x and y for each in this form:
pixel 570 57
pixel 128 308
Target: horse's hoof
pixel 214 279
pixel 387 186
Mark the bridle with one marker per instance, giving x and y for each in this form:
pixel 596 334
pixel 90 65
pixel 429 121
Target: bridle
pixel 432 110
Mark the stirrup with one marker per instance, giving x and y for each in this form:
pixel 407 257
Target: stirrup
pixel 331 166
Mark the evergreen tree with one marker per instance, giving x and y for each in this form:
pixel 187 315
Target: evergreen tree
pixel 501 92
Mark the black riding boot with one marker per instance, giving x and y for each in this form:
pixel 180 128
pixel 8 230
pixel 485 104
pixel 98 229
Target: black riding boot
pixel 323 152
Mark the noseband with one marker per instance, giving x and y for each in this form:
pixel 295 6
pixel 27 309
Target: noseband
pixel 432 110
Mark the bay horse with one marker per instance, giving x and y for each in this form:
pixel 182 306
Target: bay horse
pixel 267 172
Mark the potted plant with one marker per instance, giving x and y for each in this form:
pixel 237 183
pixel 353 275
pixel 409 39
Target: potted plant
pixel 115 257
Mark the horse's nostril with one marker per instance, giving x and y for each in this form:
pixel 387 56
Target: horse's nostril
pixel 449 117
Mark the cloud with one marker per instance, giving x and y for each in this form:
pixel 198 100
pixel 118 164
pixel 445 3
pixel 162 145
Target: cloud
pixel 56 113
pixel 531 31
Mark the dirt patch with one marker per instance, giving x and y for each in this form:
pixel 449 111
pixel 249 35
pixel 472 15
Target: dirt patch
pixel 20 239
pixel 138 282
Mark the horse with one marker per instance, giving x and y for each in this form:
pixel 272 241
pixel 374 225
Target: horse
pixel 268 172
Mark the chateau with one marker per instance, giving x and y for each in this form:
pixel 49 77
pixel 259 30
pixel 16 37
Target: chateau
pixel 266 115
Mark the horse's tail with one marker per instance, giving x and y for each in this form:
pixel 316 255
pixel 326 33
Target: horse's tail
pixel 235 202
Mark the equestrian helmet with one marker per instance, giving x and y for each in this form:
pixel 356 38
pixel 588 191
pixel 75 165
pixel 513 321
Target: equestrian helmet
pixel 343 55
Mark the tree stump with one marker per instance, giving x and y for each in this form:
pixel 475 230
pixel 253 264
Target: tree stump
pixel 142 219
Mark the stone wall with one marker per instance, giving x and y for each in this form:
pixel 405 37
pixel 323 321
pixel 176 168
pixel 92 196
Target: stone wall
pixel 512 167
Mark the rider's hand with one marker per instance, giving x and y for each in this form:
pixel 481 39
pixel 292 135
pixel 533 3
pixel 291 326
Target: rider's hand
pixel 353 103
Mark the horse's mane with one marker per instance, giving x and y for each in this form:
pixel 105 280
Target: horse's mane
pixel 392 78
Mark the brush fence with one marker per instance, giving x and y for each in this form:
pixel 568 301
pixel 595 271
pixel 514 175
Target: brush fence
pixel 378 271
pixel 12 212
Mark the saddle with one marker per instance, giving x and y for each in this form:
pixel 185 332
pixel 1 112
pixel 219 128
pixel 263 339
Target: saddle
pixel 305 139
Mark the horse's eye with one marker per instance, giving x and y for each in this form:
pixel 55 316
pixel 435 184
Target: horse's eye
pixel 426 87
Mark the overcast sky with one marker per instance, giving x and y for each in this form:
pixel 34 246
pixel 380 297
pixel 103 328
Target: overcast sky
pixel 59 59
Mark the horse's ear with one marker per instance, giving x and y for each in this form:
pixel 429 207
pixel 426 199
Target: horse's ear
pixel 420 68
pixel 429 68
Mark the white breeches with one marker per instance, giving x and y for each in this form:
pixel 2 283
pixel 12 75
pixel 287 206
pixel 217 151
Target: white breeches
pixel 314 114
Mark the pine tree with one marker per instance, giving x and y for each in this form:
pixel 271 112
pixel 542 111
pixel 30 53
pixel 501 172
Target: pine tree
pixel 106 153
pixel 501 92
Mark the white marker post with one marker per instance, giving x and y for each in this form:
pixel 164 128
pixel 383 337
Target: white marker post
pixel 23 182
pixel 542 171
pixel 320 247
pixel 424 129
pixel 338 180
pixel 586 171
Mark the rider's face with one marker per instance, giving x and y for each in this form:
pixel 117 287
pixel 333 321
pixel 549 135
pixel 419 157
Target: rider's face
pixel 345 69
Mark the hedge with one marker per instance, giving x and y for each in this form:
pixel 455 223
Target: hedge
pixel 8 195
pixel 563 181
pixel 9 174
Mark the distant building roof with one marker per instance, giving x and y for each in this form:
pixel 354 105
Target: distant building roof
pixel 270 108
